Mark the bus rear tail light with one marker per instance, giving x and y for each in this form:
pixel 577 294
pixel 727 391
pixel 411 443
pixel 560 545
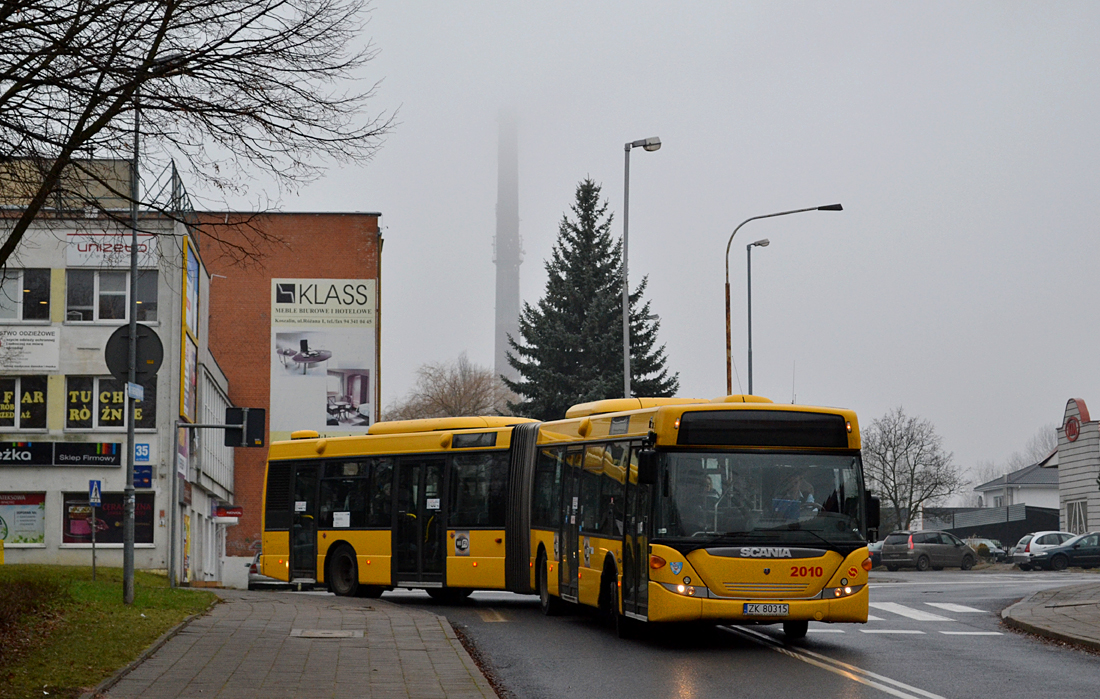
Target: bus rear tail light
pixel 910 542
pixel 656 562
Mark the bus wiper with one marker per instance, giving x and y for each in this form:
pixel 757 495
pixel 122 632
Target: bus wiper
pixel 797 527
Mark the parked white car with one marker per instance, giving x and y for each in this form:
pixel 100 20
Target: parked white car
pixel 1033 543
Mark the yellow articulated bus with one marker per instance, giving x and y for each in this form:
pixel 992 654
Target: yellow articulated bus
pixel 735 510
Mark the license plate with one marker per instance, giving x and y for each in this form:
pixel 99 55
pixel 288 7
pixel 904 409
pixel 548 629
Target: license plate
pixel 766 609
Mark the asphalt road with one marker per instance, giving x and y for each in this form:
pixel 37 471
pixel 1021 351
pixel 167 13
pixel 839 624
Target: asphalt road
pixel 934 634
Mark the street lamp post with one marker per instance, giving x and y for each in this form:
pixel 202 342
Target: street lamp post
pixel 729 362
pixel 128 494
pixel 649 144
pixel 762 243
pixel 160 67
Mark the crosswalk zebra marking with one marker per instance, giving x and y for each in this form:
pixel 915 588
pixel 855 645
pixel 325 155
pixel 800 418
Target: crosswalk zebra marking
pixel 957 608
pixel 908 612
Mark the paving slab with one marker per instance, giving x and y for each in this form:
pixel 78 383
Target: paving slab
pixel 279 644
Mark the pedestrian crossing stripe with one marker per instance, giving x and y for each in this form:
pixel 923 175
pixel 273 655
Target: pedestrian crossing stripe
pixel 957 608
pixel 909 612
pixel 903 631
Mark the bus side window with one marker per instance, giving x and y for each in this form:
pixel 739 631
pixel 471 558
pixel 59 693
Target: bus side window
pixel 547 488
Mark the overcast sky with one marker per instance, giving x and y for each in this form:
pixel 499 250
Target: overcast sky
pixel 961 138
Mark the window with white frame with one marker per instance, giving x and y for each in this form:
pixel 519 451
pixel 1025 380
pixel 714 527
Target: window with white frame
pixel 24 294
pixel 99 403
pixel 93 295
pixel 23 402
pixel 1077 518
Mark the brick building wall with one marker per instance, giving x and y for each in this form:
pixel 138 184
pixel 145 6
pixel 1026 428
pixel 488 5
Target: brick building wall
pixel 313 245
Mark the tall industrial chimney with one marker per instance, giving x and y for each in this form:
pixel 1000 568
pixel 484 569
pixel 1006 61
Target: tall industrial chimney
pixel 507 247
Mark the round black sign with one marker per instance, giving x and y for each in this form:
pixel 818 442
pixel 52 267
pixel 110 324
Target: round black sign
pixel 150 353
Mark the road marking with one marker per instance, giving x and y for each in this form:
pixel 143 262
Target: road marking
pixel 825 630
pixel 959 608
pixel 909 631
pixel 909 612
pixel 972 633
pixel 490 615
pixel 856 674
pixel 872 617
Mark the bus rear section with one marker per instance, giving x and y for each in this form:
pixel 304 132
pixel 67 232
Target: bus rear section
pixel 419 509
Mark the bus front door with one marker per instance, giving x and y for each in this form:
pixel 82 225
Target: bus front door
pixel 570 561
pixel 636 548
pixel 303 528
pixel 418 530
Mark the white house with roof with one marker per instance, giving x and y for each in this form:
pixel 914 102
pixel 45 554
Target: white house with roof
pixel 1035 485
pixel 1079 466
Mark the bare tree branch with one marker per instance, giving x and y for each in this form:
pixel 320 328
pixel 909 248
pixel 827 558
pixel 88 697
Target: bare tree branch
pixel 234 90
pixel 904 460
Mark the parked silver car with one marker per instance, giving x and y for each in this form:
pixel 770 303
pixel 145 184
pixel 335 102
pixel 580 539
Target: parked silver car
pixel 1034 543
pixel 925 550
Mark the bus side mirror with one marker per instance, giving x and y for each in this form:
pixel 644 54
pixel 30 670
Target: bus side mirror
pixel 873 511
pixel 647 467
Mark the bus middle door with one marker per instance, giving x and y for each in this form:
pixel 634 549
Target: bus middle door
pixel 418 529
pixel 636 543
pixel 570 562
pixel 303 529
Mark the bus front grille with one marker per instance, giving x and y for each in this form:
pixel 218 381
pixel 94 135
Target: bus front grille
pixel 775 589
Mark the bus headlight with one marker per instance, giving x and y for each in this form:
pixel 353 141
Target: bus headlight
pixel 837 592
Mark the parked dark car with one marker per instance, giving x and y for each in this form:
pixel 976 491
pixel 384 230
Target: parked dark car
pixel 874 549
pixel 1083 550
pixel 925 550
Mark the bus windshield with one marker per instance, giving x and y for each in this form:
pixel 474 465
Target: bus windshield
pixel 788 498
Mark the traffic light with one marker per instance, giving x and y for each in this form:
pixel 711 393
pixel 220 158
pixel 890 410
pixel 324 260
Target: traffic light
pixel 245 427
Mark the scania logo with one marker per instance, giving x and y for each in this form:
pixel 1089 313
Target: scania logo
pixel 14 455
pixel 765 552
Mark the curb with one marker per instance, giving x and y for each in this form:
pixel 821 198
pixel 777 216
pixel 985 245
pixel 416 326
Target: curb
pixel 114 679
pixel 1042 631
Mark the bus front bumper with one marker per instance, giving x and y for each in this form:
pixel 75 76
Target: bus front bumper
pixel 668 606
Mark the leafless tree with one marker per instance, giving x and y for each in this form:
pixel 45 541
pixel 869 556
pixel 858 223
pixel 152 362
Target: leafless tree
pixel 904 461
pixel 453 389
pixel 233 90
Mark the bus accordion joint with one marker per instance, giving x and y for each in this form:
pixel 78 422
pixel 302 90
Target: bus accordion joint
pixel 656 562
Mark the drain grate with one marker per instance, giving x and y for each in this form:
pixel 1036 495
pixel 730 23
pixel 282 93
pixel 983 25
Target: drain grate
pixel 324 633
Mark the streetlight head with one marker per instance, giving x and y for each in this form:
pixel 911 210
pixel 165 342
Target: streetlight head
pixel 652 144
pixel 831 207
pixel 763 243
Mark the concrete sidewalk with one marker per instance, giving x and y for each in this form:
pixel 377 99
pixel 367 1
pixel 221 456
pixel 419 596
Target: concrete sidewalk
pixel 278 644
pixel 1070 614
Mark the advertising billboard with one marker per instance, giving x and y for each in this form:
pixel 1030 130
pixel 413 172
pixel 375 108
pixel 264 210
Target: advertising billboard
pixel 323 355
pixel 22 518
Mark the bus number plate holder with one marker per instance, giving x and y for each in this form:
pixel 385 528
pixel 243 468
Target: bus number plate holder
pixel 766 609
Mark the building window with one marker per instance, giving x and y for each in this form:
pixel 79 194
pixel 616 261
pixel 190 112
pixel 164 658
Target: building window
pixel 23 402
pixel 104 295
pixel 24 294
pixel 99 403
pixel 1077 519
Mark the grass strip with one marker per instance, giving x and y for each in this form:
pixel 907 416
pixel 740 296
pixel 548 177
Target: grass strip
pixel 63 634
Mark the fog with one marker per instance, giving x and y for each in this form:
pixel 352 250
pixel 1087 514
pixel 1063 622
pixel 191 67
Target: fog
pixel 961 139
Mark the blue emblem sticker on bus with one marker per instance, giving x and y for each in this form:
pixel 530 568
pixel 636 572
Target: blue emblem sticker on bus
pixel 676 567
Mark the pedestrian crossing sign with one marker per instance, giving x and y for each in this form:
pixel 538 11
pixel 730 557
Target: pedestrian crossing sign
pixel 94 488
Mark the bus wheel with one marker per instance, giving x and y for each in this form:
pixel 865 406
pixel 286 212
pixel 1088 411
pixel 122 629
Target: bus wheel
pixel 795 630
pixel 550 605
pixel 343 572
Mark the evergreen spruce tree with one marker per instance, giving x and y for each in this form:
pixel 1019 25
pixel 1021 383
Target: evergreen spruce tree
pixel 570 345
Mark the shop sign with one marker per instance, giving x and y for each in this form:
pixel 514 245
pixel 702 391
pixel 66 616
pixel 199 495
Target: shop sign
pixel 60 454
pixel 29 349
